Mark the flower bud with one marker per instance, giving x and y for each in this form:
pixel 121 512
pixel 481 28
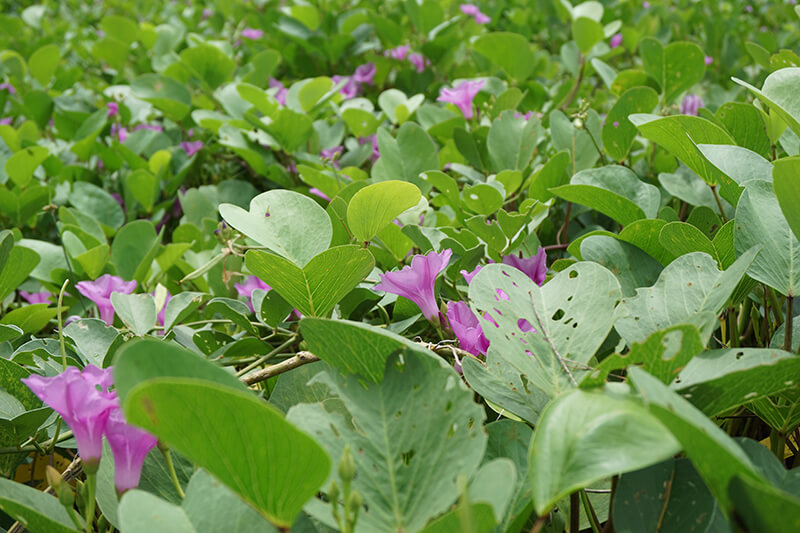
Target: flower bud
pixel 66 497
pixel 347 467
pixel 53 478
pixel 333 492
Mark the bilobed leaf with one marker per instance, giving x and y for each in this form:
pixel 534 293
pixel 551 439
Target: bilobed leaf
pixel 215 427
pixel 165 93
pixel 209 64
pixel 760 221
pixel 375 206
pixel 618 132
pixel 580 426
pixel 406 459
pixel 137 311
pixel 288 223
pixel 510 51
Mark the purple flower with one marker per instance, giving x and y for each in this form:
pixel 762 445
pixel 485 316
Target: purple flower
pixel 252 33
pixel 467 328
pixel 709 60
pixel 5 121
pixel 374 140
pixel 469 275
pixel 534 267
pixel 526 116
pixel 246 289
pixel 207 12
pixel 151 127
pixel 646 4
pixel 365 73
pixel 113 109
pixel 318 193
pixel 332 154
pixel 398 53
pixel 120 132
pixel 351 87
pixel 130 446
pixel 8 87
pixel 75 396
pixel 418 60
pixel 99 291
pixel 36 297
pixel 163 311
pixel 473 11
pixel 616 40
pixel 462 95
pixel 191 147
pixel 749 9
pixel 280 96
pixel 690 104
pixel 416 282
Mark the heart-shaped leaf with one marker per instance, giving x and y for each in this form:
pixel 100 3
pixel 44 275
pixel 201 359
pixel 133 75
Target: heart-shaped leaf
pixel 375 206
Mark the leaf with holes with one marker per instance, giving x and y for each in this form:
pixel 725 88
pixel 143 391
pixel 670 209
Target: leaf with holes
pixel 548 334
pixel 411 436
pixel 690 290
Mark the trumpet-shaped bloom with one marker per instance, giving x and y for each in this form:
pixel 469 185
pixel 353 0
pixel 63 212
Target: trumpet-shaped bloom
pixel 99 291
pixel 8 87
pixel 691 104
pixel 416 281
pixel 534 267
pixel 473 11
pixel 469 275
pixel 398 53
pixel 462 95
pixel 365 73
pixel 130 446
pixel 418 60
pixel 246 289
pixel 83 401
pixel 191 147
pixel 280 96
pixel 467 328
pixel 113 109
pixel 36 297
pixel 350 89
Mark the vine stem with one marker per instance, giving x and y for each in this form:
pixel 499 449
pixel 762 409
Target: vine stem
pixel 787 332
pixel 61 324
pixel 265 358
pixel 574 513
pixel 171 469
pixel 719 203
pixel 91 485
pixel 666 500
pixel 590 514
pixel 302 358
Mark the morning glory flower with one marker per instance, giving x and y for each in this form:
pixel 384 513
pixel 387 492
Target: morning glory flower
pixel 120 132
pixel 75 395
pixel 473 11
pixel 130 446
pixel 418 60
pixel 99 291
pixel 252 33
pixel 246 289
pixel 280 96
pixel 534 267
pixel 690 104
pixel 462 95
pixel 398 53
pixel 469 275
pixel 616 40
pixel 36 297
pixel 365 73
pixel 191 147
pixel 416 281
pixel 709 60
pixel 467 328
pixel 5 121
pixel 350 89
pixel 8 87
pixel 113 109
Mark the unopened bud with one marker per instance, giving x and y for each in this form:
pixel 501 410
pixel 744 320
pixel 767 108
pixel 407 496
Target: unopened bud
pixel 66 497
pixel 347 467
pixel 354 504
pixel 53 478
pixel 333 492
pixel 577 124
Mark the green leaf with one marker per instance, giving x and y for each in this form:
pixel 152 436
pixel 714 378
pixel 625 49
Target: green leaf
pixel 93 339
pixel 166 94
pixel 137 311
pixel 715 455
pixel 764 508
pixel 215 427
pixel 682 238
pixel 675 67
pixel 43 63
pixel 615 191
pixel 759 221
pixel 473 517
pixel 551 175
pixel 786 182
pixel 690 290
pixel 31 318
pixel 587 33
pixel 579 142
pixel 482 199
pixel 181 306
pixel 288 223
pixel 316 288
pixel 134 248
pixel 290 128
pixel 94 201
pixel 375 206
pixel 143 186
pixel 313 91
pixel 406 459
pixel 21 165
pixel 142 512
pixel 618 132
pixel 360 122
pixel 745 122
pixel 512 141
pixel 39 512
pixel 632 267
pixel 406 157
pixel 208 63
pixel 571 314
pixel 737 164
pixel 779 94
pixel 663 355
pixel 509 51
pixel 718 380
pixel 120 28
pixel 397 106
pixel 580 426
pixel 669 497
pixel 354 347
pixel 19 263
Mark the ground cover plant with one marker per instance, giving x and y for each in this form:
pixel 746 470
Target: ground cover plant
pixel 399 266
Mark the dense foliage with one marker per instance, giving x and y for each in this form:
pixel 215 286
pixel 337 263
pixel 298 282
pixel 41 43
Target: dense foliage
pixel 399 266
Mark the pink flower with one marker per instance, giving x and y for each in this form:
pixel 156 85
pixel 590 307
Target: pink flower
pixel 8 87
pixel 99 291
pixel 318 193
pixel 534 267
pixel 690 104
pixel 709 60
pixel 5 121
pixel 469 275
pixel 252 33
pixel 374 140
pixel 280 96
pixel 417 281
pixel 365 73
pixel 75 396
pixel 398 53
pixel 418 61
pixel 332 154
pixel 163 311
pixel 473 11
pixel 616 40
pixel 246 289
pixel 130 446
pixel 36 297
pixel 191 147
pixel 462 95
pixel 350 89
pixel 467 328
pixel 207 12
pixel 120 132
pixel 113 109
pixel 646 4
pixel 151 127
